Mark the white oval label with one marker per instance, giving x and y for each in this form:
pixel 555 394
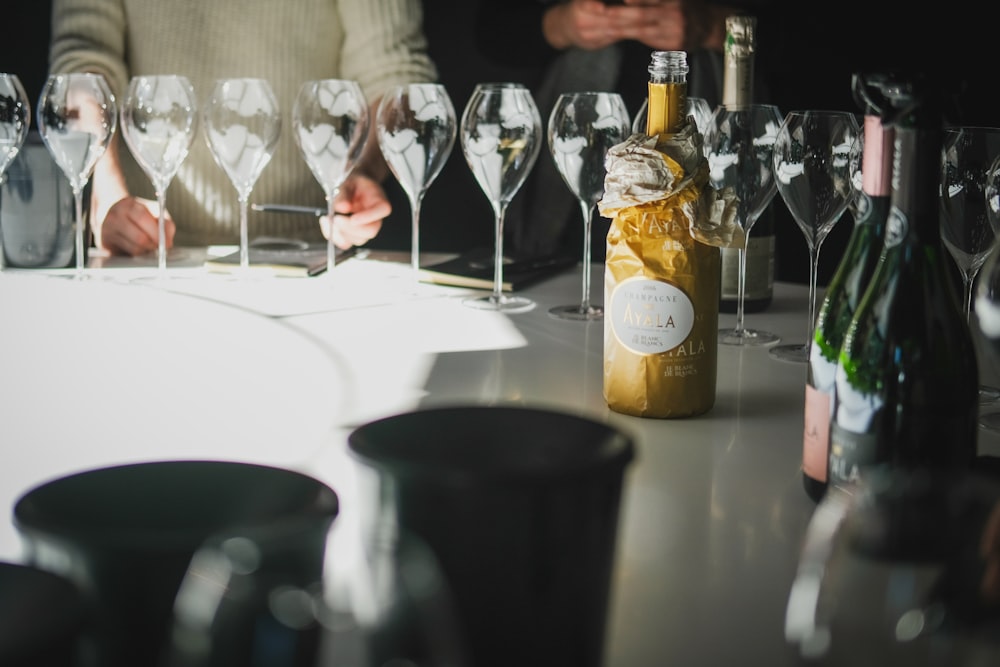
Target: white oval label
pixel 650 316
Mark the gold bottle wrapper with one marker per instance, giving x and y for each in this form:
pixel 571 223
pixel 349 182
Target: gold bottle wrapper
pixel 662 277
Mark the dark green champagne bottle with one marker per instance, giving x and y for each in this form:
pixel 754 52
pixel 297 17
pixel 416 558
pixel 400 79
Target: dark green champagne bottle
pixel 907 380
pixel 853 274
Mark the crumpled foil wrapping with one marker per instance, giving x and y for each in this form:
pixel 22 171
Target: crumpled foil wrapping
pixel 662 275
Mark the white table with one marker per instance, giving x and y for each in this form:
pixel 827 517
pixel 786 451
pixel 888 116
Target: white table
pixel 125 367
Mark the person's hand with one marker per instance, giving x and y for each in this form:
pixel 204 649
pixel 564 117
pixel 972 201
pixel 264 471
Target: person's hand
pixel 131 227
pixel 365 202
pixel 591 24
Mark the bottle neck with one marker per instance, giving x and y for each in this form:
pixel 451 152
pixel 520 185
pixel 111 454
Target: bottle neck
pixel 737 81
pixel 914 215
pixel 738 62
pixel 667 102
pixel 876 160
pixel 667 92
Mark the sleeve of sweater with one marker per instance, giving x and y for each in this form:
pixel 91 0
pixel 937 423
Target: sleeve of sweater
pixel 89 36
pixel 384 44
pixel 509 32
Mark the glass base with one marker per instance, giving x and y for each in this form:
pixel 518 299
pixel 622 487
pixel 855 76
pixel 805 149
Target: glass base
pixel 578 312
pixel 795 353
pixel 503 303
pixel 747 337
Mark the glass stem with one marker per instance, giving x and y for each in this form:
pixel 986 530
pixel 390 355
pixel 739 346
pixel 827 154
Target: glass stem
pixel 741 284
pixel 813 273
pixel 967 281
pixel 500 209
pixel 78 202
pixel 161 252
pixel 588 212
pixel 415 236
pixel 244 234
pixel 331 248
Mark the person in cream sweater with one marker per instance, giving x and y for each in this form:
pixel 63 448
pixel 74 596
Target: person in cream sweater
pixel 378 43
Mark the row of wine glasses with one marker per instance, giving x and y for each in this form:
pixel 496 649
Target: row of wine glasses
pixel 806 157
pixel 78 115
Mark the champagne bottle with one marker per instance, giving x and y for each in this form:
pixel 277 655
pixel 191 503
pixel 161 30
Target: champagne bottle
pixel 661 284
pixel 737 93
pixel 849 281
pixel 907 380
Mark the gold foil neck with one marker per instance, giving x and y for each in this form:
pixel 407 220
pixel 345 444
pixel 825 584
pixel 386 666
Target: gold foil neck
pixel 741 35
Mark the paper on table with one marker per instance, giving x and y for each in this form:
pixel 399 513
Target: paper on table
pixel 277 296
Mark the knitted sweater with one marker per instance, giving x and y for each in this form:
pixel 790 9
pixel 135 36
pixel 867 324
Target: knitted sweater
pixel 378 43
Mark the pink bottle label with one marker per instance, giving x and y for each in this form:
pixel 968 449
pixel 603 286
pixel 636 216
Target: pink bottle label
pixel 816 435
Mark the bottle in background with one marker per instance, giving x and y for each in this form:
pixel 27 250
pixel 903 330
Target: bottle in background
pixel 907 380
pixel 737 92
pixel 849 281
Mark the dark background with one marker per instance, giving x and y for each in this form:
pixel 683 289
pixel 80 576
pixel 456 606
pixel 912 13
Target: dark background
pixel 808 51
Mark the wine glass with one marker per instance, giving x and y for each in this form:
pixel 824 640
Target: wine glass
pixel 294 595
pixel 738 144
pixel 812 166
pixel 330 117
pixel 242 124
pixel 987 295
pixel 77 117
pixel 696 106
pixel 159 121
pixel 416 127
pixel 966 228
pixel 582 127
pixel 15 117
pixel 501 137
pixel 900 569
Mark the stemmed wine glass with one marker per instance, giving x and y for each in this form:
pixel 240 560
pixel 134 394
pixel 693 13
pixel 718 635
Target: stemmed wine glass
pixel 812 166
pixel 966 228
pixel 331 120
pixel 738 144
pixel 15 117
pixel 501 132
pixel 242 124
pixel 159 120
pixel 77 117
pixel 987 294
pixel 416 127
pixel 582 127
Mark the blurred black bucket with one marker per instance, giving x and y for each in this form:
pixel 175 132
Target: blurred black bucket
pixel 520 507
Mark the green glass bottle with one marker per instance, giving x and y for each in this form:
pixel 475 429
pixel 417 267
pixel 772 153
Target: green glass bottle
pixel 907 380
pixel 853 274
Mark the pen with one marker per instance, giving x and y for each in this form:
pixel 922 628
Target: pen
pixel 292 208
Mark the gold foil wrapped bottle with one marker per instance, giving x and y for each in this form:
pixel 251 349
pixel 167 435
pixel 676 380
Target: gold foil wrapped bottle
pixel 663 266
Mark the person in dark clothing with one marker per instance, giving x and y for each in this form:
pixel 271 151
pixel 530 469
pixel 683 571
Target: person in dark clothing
pixel 576 45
